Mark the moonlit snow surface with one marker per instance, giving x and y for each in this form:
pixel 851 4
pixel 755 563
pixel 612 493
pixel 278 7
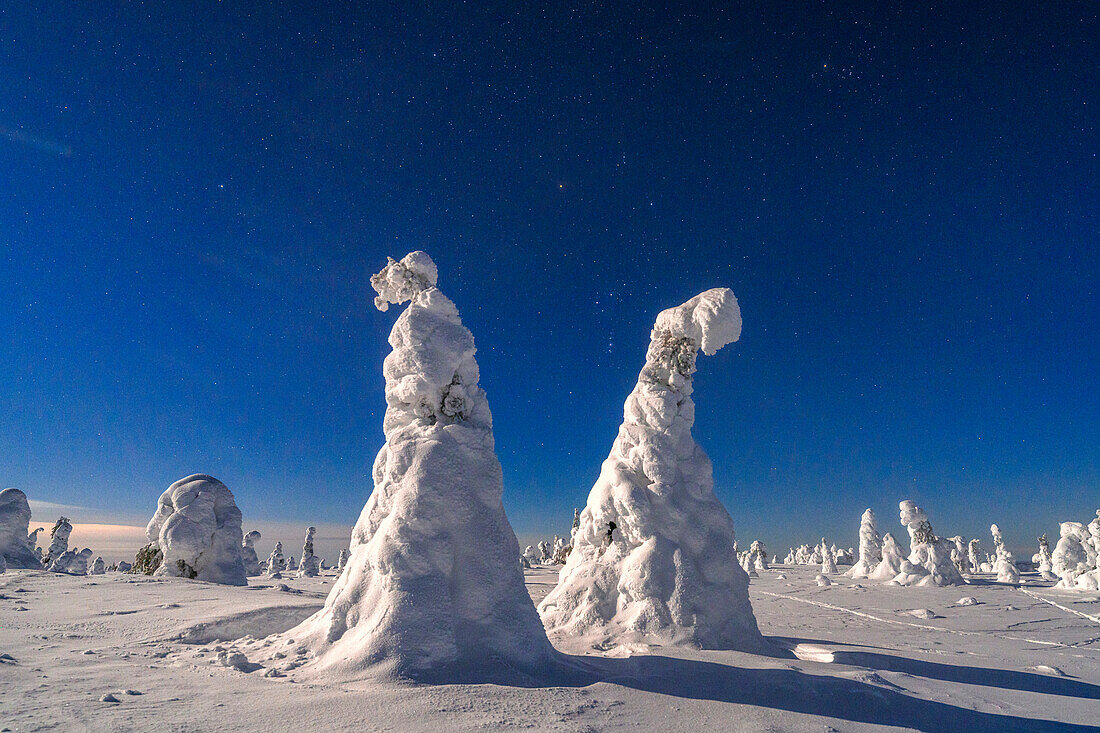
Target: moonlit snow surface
pixel 653 559
pixel 860 661
pixel 433 585
pixel 197 527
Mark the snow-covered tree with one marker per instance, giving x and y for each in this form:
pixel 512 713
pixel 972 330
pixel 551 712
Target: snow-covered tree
pixel 959 554
pixel 1070 559
pixel 309 566
pixel 546 553
pixel 654 558
pixel 59 540
pixel 532 555
pixel 251 562
pixel 870 547
pixel 892 559
pixel 1044 560
pixel 342 560
pixel 929 561
pixel 759 555
pixel 276 563
pixel 828 564
pixel 433 586
pixel 1005 566
pixel 789 559
pixel 197 527
pixel 98 567
pixel 16 546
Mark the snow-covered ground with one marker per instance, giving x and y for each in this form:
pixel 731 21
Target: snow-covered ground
pixel 854 655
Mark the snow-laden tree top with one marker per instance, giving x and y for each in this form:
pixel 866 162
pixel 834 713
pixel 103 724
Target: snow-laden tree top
pixel 15 519
pixel 710 320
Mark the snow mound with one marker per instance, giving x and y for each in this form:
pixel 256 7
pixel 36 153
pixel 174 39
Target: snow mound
pixel 967 601
pixel 197 528
pixel 432 587
pixel 823 580
pixel 654 557
pixel 15 519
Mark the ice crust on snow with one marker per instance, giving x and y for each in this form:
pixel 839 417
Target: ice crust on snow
pixel 653 559
pixel 197 528
pixel 16 544
pixel 433 585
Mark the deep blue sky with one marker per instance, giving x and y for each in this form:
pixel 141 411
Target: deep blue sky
pixel 904 200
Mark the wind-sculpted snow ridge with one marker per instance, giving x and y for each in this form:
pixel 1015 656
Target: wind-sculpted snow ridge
pixel 432 588
pixel 653 559
pixel 16 544
pixel 197 528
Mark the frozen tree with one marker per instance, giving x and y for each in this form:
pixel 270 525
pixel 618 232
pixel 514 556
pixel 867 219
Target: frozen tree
pixel 929 561
pixel 789 559
pixel 147 560
pixel 1044 560
pixel 433 587
pixel 16 546
pixel 870 547
pixel 72 562
pixel 531 554
pixel 98 567
pixel 654 558
pixel 1005 567
pixel 828 564
pixel 1070 559
pixel 1094 536
pixel 197 528
pixel 251 562
pixel 959 554
pixel 576 524
pixel 759 555
pixel 746 564
pixel 59 540
pixel 308 567
pixel 276 563
pixel 974 551
pixel 892 559
pixel 123 566
pixel 342 560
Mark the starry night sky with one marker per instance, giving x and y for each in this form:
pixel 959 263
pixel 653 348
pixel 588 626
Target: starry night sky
pixel 904 200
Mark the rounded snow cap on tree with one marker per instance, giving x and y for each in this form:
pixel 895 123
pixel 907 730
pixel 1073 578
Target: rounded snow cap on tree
pixel 712 319
pixel 403 280
pixel 911 513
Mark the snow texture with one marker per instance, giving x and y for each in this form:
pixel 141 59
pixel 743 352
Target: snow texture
pixel 870 547
pixel 251 562
pixel 433 587
pixel 16 546
pixel 309 566
pixel 653 560
pixel 197 527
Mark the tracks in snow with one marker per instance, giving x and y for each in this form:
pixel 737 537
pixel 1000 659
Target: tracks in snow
pixel 924 627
